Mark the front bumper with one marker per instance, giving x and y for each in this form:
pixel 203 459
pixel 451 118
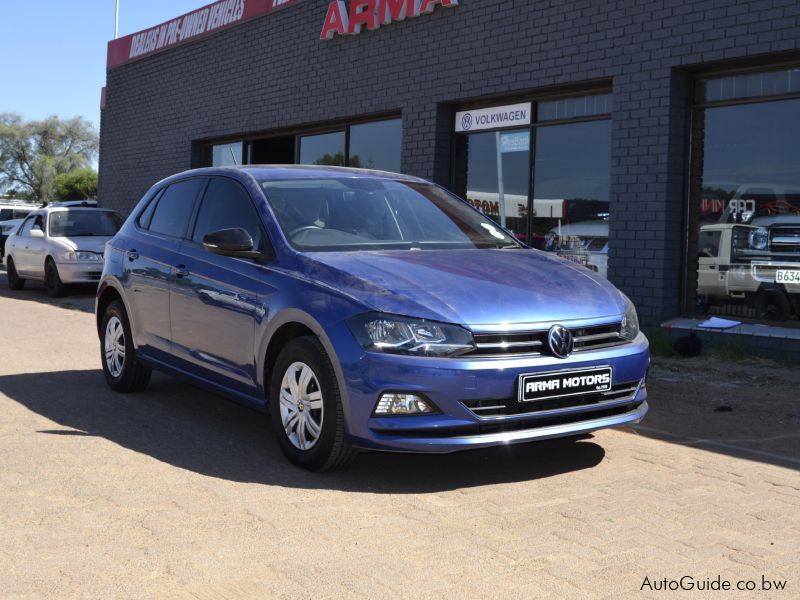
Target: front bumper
pixel 80 272
pixel 456 385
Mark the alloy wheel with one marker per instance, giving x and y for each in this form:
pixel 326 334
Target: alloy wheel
pixel 301 406
pixel 114 345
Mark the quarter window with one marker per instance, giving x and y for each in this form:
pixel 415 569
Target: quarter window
pixel 174 208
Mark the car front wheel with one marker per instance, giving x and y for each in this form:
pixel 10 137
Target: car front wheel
pixel 122 369
pixel 52 280
pixel 306 407
pixel 15 282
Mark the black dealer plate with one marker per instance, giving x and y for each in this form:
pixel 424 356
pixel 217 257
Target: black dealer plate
pixel 561 384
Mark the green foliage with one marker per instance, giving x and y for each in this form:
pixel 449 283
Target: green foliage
pixel 34 153
pixel 80 184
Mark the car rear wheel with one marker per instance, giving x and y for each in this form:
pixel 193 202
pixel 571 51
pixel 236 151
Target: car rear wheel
pixel 306 407
pixel 15 282
pixel 122 369
pixel 52 280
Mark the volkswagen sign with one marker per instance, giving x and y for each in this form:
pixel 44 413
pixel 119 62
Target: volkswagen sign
pixel 561 342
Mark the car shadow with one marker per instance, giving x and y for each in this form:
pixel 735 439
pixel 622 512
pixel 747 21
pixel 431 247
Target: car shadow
pixel 79 297
pixel 201 432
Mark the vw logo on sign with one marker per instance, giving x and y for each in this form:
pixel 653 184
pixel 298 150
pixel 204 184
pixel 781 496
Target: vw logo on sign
pixel 466 122
pixel 560 340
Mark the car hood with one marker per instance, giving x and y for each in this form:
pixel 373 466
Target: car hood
pixel 94 243
pixel 472 287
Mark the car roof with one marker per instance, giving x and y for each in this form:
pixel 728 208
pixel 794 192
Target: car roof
pixel 277 172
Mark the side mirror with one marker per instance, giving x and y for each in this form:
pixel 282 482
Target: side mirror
pixel 37 233
pixel 232 242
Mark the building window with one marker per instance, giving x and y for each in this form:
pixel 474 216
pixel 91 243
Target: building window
pixel 574 108
pixel 324 149
pixel 552 179
pixel 376 145
pixel 571 187
pixel 227 155
pixel 498 163
pixel 745 195
pixel 373 145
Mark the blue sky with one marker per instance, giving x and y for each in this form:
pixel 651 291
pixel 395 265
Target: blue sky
pixel 54 51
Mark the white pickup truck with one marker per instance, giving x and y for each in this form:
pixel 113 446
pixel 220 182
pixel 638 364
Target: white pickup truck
pixel 730 268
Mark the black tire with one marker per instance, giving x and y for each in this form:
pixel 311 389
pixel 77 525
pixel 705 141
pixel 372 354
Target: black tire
pixel 15 282
pixel 332 449
pixel 773 305
pixel 134 376
pixel 52 280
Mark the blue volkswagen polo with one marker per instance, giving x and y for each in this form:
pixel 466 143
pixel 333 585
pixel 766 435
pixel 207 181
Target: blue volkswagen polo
pixel 363 310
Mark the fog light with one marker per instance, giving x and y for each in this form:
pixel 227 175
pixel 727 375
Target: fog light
pixel 403 404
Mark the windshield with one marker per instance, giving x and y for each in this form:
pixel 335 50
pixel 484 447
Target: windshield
pixel 84 223
pixel 338 214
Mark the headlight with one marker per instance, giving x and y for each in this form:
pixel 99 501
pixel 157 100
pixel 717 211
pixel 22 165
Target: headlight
pixel 630 322
pixel 82 256
pixel 758 239
pixel 402 335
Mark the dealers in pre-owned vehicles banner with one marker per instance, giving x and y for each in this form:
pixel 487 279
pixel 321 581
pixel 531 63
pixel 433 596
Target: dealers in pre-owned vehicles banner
pixel 191 26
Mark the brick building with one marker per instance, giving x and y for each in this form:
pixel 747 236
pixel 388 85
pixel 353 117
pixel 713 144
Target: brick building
pixel 613 132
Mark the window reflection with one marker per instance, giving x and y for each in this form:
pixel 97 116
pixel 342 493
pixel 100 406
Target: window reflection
pixel 572 180
pixel 376 145
pixel 748 197
pixel 324 149
pixel 497 166
pixel 227 155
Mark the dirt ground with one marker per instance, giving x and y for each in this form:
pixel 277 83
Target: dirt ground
pixel 176 493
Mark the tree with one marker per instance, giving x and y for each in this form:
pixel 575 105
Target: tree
pixel 34 153
pixel 80 184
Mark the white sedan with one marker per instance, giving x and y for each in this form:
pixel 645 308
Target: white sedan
pixel 60 245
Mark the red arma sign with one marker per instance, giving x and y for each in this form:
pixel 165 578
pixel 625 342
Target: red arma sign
pixel 373 14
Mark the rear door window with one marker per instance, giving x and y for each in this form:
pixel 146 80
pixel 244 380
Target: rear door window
pixel 174 209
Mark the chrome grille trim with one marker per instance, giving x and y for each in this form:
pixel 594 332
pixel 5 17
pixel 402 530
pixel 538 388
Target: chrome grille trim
pixel 534 343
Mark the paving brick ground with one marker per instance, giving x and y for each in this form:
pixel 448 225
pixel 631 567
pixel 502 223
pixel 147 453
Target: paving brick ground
pixel 179 494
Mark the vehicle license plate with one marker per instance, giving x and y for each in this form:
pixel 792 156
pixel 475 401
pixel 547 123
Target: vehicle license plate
pixel 559 384
pixel 580 259
pixel 787 276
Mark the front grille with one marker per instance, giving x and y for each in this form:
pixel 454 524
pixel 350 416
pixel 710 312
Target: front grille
pixel 534 343
pixel 511 406
pixel 785 239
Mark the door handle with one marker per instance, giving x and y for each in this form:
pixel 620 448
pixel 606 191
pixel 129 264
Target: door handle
pixel 180 271
pixel 132 255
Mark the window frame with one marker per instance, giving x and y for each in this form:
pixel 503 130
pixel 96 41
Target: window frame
pixel 268 250
pixel 694 163
pixel 22 225
pixel 535 100
pixel 206 155
pixel 157 199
